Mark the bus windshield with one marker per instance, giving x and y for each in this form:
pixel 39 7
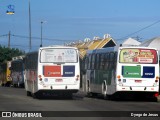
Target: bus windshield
pixel 60 55
pixel 138 55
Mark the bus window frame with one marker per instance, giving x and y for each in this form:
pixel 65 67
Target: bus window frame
pixel 40 61
pixel 89 62
pixel 97 59
pixel 30 60
pixel 102 61
pixel 106 63
pixel 137 62
pixel 115 59
pixel 93 61
pixel 111 59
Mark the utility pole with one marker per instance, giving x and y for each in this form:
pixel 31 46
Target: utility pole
pixel 138 38
pixel 41 33
pixel 9 38
pixel 29 26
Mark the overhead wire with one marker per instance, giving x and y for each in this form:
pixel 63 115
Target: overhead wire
pixel 148 26
pixel 63 40
pixel 50 39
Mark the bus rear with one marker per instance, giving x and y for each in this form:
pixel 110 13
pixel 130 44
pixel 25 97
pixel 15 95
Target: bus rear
pixel 138 70
pixel 58 69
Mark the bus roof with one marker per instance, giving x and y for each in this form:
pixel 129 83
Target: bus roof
pixel 102 50
pixel 58 46
pixel 138 47
pixel 18 57
pixel 114 49
pixel 52 46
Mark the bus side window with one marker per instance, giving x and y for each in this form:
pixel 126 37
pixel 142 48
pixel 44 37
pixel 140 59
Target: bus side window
pixel 108 61
pixel 31 62
pixel 115 60
pixel 85 62
pixel 34 61
pixel 93 61
pixel 111 61
pixel 27 63
pixel 18 67
pixel 102 61
pixel 106 58
pixel 37 60
pixel 97 61
pixel 89 62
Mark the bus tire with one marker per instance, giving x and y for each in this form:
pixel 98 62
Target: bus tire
pixel 68 96
pixel 87 87
pixel 89 94
pixel 37 95
pixel 18 85
pixel 28 93
pixel 14 85
pixel 104 90
pixel 34 95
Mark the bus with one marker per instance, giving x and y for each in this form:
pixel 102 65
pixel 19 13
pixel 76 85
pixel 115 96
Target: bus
pixel 53 70
pixel 5 74
pixel 17 71
pixel 119 72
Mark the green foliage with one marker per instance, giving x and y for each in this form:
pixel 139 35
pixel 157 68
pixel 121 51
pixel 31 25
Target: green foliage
pixel 6 53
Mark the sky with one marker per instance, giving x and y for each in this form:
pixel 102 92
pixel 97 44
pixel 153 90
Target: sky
pixel 66 21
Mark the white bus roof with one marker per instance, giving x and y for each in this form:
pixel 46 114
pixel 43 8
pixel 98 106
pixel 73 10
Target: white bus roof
pixel 52 46
pixel 57 46
pixel 18 57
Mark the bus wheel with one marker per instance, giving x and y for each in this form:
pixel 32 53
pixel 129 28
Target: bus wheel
pixel 34 95
pixel 28 93
pixel 14 85
pixel 37 95
pixel 68 96
pixel 104 91
pixel 18 85
pixel 88 89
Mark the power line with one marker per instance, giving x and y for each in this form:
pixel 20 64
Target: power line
pixel 4 35
pixel 49 39
pixel 26 37
pixel 63 40
pixel 140 30
pixel 23 46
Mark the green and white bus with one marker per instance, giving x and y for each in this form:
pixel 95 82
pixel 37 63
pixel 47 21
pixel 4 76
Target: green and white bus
pixel 118 71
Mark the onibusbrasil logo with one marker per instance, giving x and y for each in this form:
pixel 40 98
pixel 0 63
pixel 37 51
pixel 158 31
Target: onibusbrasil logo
pixel 21 114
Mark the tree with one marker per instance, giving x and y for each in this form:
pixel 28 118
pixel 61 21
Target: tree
pixel 6 53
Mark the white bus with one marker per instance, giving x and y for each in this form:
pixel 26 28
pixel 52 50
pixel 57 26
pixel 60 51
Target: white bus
pixel 126 70
pixel 52 70
pixel 17 71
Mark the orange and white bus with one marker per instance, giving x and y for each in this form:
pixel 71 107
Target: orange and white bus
pixel 54 69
